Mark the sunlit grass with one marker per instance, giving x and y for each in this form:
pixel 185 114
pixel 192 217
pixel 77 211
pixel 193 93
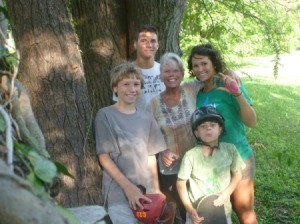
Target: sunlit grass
pixel 276 143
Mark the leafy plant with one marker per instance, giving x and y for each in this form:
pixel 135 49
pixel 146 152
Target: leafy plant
pixel 40 172
pixel 242 28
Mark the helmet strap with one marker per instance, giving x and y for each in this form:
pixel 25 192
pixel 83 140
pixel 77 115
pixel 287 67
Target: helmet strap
pixel 212 148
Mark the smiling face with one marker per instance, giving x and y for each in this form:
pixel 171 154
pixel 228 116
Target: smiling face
pixel 171 75
pixel 146 45
pixel 209 132
pixel 203 68
pixel 128 90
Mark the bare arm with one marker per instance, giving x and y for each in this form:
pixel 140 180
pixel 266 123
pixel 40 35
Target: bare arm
pixel 183 193
pixel 132 192
pixel 225 195
pixel 153 169
pixel 247 112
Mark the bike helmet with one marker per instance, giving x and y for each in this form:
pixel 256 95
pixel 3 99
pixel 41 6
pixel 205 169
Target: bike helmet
pixel 206 113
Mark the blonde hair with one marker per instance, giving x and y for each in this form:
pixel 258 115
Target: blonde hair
pixel 123 71
pixel 171 58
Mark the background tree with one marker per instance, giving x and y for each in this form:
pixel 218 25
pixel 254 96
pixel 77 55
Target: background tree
pixel 242 28
pixel 51 70
pixel 106 30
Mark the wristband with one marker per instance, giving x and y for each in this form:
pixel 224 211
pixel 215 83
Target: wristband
pixel 237 95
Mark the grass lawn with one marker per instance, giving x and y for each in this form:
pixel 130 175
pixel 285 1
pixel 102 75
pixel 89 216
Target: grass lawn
pixel 276 139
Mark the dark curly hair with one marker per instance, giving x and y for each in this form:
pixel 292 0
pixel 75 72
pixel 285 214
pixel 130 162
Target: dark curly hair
pixel 213 55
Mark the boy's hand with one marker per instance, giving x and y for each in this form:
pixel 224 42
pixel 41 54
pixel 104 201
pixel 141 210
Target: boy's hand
pixel 194 216
pixel 134 195
pixel 223 197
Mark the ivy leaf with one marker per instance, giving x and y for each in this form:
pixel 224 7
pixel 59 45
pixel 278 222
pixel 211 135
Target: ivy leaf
pixel 26 149
pixel 37 186
pixel 43 168
pixel 63 169
pixel 2 124
pixel 68 214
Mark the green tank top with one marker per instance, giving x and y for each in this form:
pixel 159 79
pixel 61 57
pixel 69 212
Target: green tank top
pixel 228 106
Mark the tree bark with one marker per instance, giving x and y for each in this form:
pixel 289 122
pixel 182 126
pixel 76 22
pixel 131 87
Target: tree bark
pixel 102 30
pixel 51 70
pixel 106 31
pixel 165 15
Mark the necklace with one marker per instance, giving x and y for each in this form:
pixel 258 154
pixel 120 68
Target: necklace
pixel 176 117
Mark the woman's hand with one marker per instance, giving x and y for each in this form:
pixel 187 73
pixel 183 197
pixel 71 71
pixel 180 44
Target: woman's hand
pixel 168 157
pixel 233 75
pixel 230 85
pixel 247 112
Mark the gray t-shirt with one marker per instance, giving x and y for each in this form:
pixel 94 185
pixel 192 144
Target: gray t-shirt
pixel 129 139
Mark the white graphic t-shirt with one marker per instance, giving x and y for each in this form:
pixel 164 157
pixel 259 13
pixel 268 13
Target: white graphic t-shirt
pixel 153 86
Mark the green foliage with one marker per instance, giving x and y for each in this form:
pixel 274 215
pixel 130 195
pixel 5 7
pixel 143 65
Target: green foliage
pixel 40 172
pixel 7 59
pixel 5 13
pixel 2 124
pixel 242 28
pixel 63 170
pixel 276 142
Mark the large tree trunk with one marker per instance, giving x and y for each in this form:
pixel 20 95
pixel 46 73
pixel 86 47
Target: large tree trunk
pixel 106 30
pixel 52 72
pixel 102 30
pixel 165 15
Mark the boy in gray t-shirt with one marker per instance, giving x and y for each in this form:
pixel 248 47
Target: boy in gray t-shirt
pixel 127 140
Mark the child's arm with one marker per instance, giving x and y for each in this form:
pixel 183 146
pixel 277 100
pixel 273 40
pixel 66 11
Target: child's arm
pixel 225 195
pixel 183 193
pixel 132 192
pixel 152 164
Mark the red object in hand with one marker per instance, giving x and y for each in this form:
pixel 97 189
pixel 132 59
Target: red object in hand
pixel 233 87
pixel 152 210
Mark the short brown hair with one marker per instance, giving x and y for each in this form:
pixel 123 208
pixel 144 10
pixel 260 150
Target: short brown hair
pixel 123 71
pixel 145 28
